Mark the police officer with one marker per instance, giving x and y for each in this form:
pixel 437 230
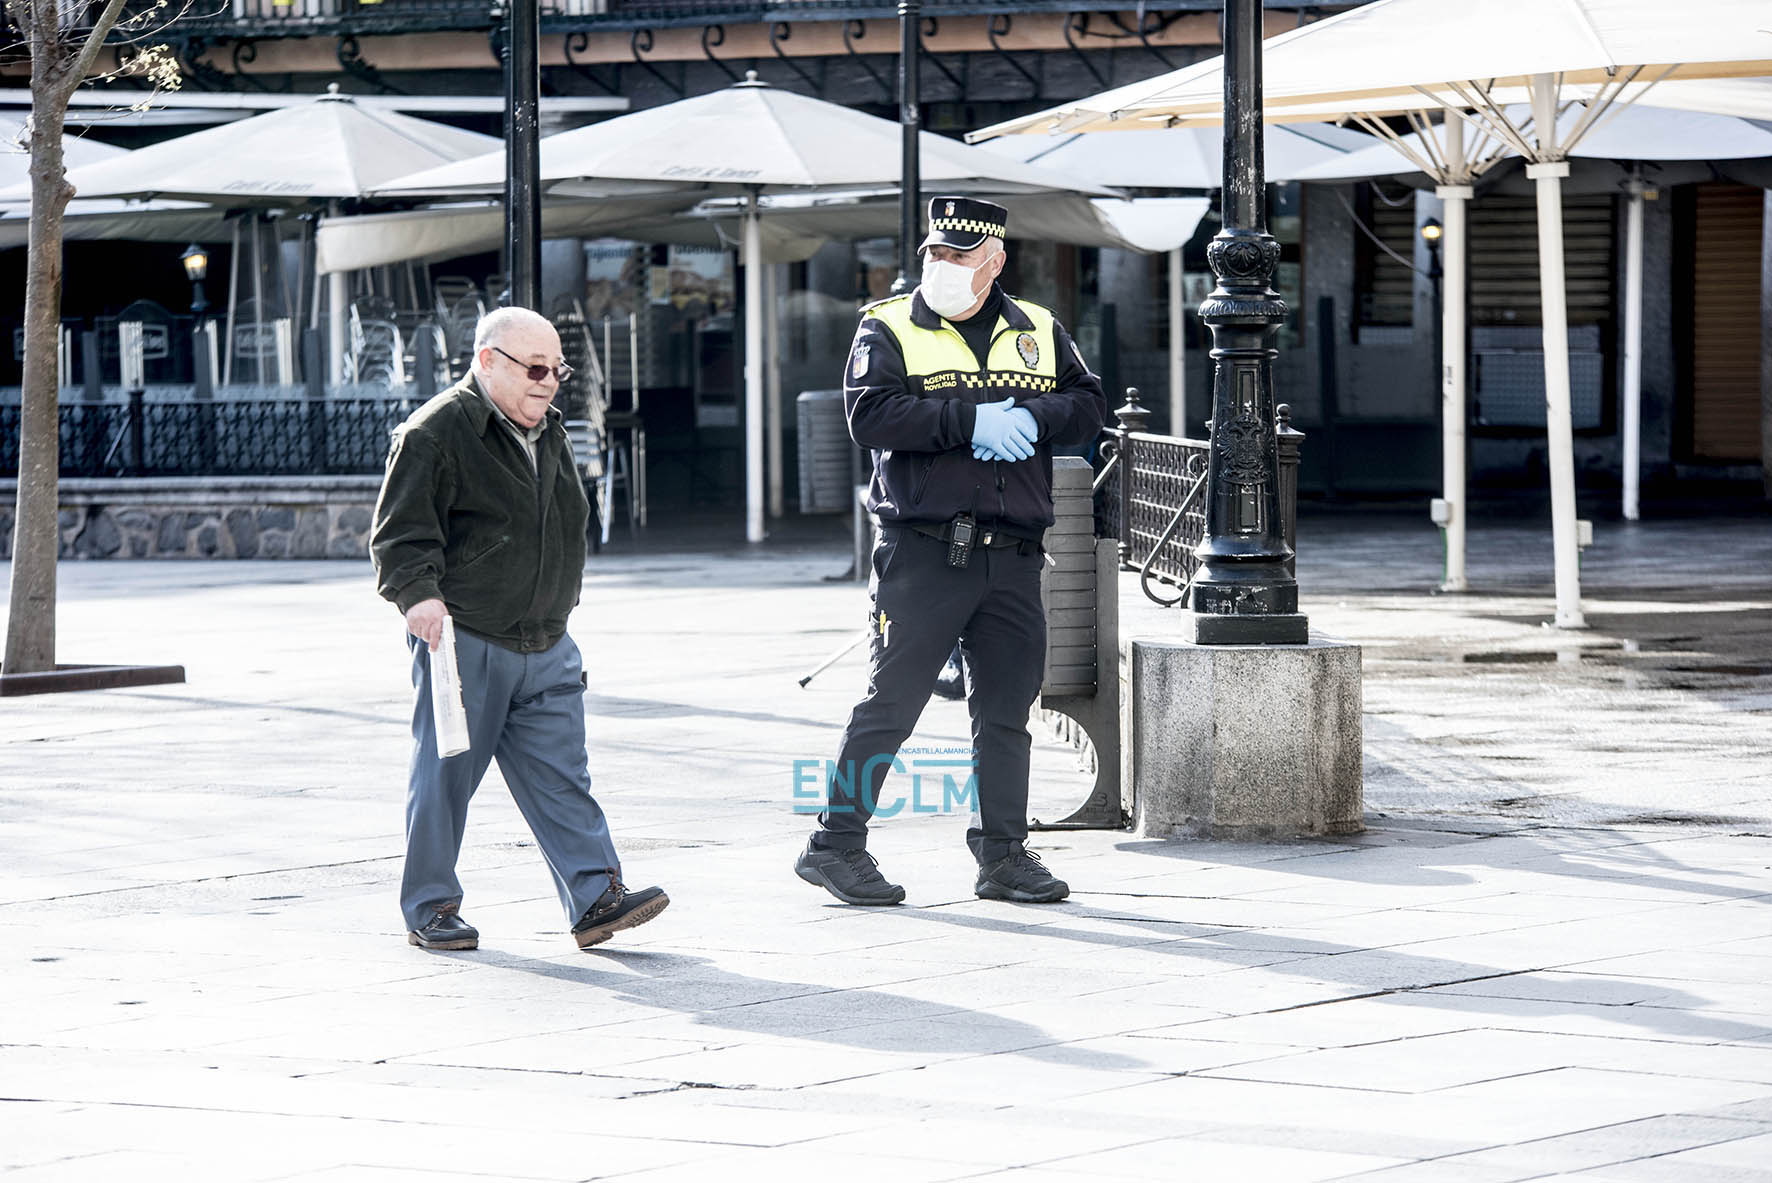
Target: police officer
pixel 961 391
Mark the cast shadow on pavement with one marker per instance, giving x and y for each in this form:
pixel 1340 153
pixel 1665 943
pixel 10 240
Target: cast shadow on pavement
pixel 863 1018
pixel 1364 972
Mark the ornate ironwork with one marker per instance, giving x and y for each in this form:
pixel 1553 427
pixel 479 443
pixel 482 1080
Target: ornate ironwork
pixel 1077 24
pixel 351 59
pixel 206 76
pixel 932 26
pixel 711 36
pixel 781 31
pixel 641 44
pixel 245 53
pixel 247 437
pixel 216 19
pixel 999 26
pixel 576 43
pixel 854 31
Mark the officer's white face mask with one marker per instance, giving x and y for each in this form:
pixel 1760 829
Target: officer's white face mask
pixel 947 287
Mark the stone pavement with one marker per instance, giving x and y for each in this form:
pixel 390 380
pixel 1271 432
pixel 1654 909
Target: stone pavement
pixel 1548 956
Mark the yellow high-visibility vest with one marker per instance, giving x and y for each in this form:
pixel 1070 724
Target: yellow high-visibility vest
pixel 1021 361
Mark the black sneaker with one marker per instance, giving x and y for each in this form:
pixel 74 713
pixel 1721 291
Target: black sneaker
pixel 618 908
pixel 445 930
pixel 851 875
pixel 1021 877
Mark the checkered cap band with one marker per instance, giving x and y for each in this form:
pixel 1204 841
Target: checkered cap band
pixel 970 226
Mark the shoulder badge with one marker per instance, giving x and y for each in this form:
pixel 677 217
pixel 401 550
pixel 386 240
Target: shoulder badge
pixel 858 363
pixel 1029 348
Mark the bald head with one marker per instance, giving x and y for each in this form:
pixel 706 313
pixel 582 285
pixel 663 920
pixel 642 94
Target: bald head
pixel 508 341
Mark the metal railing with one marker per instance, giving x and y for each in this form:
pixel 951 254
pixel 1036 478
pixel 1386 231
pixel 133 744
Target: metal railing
pixel 259 437
pixel 1151 495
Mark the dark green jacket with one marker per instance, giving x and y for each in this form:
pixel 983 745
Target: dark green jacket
pixel 462 517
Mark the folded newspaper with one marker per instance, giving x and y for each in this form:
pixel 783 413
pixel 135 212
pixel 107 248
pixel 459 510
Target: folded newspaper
pixel 450 716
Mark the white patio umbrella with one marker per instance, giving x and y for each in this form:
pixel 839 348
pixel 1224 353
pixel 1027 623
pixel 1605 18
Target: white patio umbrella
pixel 15 153
pixel 1393 56
pixel 747 139
pixel 323 151
pixel 1177 158
pixel 1636 133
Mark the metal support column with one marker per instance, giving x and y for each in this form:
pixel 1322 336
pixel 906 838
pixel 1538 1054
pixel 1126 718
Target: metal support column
pixel 522 151
pixel 910 187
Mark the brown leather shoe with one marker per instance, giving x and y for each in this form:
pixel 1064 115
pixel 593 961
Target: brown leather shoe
pixel 618 908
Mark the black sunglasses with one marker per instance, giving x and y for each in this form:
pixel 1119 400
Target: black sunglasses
pixel 561 373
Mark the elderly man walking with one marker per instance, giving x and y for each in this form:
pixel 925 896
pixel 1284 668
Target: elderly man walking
pixel 482 520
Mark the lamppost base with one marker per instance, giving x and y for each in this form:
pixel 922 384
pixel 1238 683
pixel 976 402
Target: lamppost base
pixel 1280 628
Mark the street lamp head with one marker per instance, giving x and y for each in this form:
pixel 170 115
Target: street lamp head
pixel 196 261
pixel 1432 231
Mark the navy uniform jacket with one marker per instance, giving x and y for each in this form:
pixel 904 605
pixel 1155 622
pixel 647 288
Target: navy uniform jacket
pixel 911 391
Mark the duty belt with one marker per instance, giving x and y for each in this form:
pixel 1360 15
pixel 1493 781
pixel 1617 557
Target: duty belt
pixel 988 538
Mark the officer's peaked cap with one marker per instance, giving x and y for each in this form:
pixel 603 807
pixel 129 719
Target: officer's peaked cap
pixel 964 222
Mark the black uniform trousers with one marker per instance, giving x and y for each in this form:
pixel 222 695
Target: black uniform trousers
pixel 992 606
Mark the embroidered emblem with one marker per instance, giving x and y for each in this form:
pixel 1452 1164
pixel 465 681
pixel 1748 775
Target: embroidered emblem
pixel 1078 353
pixel 950 209
pixel 858 365
pixel 1029 349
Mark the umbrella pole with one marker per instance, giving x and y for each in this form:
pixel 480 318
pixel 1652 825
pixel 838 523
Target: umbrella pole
pixel 258 302
pixel 233 298
pixel 772 388
pixel 1633 347
pixel 753 372
pixel 1455 201
pixel 338 299
pixel 1559 420
pixel 1177 347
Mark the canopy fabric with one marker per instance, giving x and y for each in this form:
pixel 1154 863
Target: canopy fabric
pixel 329 148
pixel 1381 56
pixel 1147 224
pixel 1628 133
pixel 792 229
pixel 1175 158
pixel 15 152
pixel 446 231
pixel 109 220
pixel 745 137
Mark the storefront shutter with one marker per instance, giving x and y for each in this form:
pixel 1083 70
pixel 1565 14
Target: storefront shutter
pixel 1726 323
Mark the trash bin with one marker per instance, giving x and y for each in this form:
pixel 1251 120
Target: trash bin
pixel 825 477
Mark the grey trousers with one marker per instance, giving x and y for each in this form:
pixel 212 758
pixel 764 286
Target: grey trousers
pixel 527 711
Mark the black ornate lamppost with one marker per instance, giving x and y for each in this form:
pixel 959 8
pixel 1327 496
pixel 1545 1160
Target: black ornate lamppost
pixel 910 46
pixel 1244 592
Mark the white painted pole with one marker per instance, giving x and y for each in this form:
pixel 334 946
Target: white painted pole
pixel 1455 201
pixel 258 300
pixel 1559 419
pixel 227 372
pixel 754 316
pixel 1633 347
pixel 1177 346
pixel 338 302
pixel 772 389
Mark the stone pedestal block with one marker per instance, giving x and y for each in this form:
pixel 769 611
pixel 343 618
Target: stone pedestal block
pixel 1241 741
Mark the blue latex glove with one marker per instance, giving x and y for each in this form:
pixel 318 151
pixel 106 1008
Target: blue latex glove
pixel 1005 430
